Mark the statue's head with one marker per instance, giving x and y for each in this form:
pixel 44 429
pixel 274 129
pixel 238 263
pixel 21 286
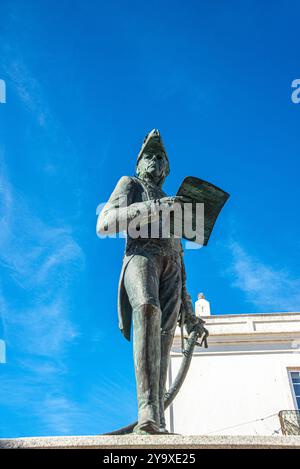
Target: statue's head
pixel 152 162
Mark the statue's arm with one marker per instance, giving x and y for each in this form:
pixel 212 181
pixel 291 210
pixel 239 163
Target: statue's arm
pixel 186 297
pixel 121 209
pixel 187 314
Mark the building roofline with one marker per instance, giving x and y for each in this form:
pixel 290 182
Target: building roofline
pixel 284 313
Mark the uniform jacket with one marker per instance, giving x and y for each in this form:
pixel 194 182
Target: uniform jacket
pixel 130 190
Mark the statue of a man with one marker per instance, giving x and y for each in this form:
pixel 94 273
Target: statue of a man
pixel 152 283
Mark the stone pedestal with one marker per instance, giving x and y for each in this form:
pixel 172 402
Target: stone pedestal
pixel 153 442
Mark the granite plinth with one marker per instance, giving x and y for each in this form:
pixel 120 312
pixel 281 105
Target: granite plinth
pixel 153 441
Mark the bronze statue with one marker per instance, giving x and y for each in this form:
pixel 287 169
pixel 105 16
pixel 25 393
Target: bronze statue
pixel 152 288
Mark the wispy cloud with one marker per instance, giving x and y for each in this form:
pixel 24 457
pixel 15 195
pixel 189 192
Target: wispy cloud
pixel 32 98
pixel 62 415
pixel 45 401
pixel 38 262
pixel 266 287
pixel 44 329
pixel 28 89
pixel 37 257
pixel 105 398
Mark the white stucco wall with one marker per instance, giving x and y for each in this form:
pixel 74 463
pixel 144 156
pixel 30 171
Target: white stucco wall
pixel 242 376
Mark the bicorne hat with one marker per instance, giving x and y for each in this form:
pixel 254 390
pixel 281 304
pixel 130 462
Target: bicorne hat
pixel 152 140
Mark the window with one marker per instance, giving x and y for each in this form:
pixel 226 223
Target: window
pixel 295 380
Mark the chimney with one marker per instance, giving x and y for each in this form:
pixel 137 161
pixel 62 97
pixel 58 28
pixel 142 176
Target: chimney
pixel 202 306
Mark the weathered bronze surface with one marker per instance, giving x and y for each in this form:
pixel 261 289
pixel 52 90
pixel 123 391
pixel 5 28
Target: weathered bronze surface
pixel 152 288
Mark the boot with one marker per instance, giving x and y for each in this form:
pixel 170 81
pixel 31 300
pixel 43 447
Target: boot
pixel 166 344
pixel 146 350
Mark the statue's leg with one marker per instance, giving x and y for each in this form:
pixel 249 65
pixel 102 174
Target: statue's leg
pixel 146 349
pixel 142 286
pixel 170 301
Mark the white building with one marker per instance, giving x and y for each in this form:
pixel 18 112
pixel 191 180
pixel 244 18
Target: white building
pixel 240 383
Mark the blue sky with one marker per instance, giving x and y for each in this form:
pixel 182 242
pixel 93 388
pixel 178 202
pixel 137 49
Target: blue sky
pixel 85 82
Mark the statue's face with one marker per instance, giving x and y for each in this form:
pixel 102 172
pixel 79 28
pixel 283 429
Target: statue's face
pixel 154 164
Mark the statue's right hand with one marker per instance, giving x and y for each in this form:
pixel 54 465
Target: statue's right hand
pixel 171 201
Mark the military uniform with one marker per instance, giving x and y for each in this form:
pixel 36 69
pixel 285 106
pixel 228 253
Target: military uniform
pixel 150 296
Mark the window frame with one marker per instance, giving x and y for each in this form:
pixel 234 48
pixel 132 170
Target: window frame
pixel 290 371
